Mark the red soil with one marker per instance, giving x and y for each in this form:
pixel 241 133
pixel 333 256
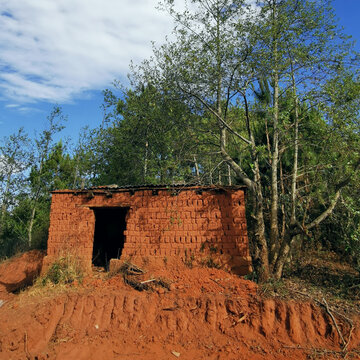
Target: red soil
pixel 207 314
pixel 19 271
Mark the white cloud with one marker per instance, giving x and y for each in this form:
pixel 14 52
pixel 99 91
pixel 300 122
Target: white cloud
pixel 28 109
pixel 56 50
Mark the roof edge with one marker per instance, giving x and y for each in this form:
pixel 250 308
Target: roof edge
pixel 178 187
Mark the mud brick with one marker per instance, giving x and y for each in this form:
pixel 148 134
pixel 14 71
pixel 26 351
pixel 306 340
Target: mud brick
pixel 216 217
pixel 228 246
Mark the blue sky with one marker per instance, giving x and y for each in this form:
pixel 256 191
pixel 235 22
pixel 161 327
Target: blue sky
pixel 66 52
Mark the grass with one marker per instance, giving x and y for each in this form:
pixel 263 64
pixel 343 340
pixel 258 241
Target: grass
pixel 273 288
pixel 210 263
pixel 189 260
pixel 317 275
pixel 65 270
pixel 327 272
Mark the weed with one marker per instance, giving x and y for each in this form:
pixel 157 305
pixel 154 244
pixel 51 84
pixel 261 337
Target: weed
pixel 64 270
pixel 210 263
pixel 253 276
pixel 189 260
pixel 274 287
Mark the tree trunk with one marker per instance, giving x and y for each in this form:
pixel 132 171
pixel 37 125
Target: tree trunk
pixel 4 205
pixel 196 169
pixel 274 231
pixel 31 224
pixel 263 270
pixel 282 206
pixel 283 256
pixel 296 151
pixel 288 240
pixel 290 236
pixel 229 175
pixel 146 160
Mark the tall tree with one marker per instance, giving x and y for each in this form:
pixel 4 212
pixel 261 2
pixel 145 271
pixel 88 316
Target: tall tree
pixel 148 140
pixel 15 159
pixel 44 145
pixel 221 49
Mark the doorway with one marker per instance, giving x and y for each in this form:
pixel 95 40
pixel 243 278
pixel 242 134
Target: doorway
pixel 110 224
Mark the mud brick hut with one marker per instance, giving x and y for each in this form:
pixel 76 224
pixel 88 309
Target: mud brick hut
pixel 153 223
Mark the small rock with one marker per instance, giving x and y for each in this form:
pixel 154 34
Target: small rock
pixel 96 326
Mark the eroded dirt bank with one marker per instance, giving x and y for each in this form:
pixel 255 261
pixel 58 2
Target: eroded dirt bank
pixel 207 314
pixel 19 271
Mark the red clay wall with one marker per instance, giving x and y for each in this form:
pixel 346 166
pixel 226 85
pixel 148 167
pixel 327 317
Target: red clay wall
pixel 160 224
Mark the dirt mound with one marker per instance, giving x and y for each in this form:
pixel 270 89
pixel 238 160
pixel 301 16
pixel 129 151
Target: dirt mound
pixel 20 271
pixel 208 314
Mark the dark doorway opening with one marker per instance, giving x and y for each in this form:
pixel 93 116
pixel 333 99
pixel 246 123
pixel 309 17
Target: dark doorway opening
pixel 110 224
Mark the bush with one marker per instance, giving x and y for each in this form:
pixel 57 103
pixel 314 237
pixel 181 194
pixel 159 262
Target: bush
pixel 64 270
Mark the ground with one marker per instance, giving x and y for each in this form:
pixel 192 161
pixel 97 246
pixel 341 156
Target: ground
pixel 187 313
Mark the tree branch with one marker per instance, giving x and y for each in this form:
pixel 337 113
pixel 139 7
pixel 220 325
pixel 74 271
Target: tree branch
pixel 334 201
pixel 221 120
pixel 238 170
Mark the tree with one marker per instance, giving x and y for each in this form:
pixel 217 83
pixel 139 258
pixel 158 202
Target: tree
pixel 15 159
pixel 298 56
pixel 148 140
pixel 44 146
pixel 222 50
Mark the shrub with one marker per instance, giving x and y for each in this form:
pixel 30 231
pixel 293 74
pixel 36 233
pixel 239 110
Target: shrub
pixel 65 270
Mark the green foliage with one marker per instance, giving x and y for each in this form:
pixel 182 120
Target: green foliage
pixel 273 288
pixel 233 91
pixel 64 270
pixel 299 59
pixel 210 263
pixel 341 232
pixel 189 259
pixel 148 140
pixel 30 169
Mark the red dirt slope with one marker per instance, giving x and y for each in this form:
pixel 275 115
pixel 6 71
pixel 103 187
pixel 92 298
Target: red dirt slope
pixel 20 271
pixel 208 314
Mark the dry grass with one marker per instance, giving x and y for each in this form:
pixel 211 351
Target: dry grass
pixel 317 275
pixel 59 278
pixel 65 270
